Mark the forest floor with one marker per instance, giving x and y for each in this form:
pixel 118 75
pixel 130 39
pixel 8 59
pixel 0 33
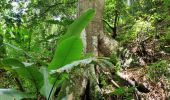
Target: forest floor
pixel 158 90
pixel 148 73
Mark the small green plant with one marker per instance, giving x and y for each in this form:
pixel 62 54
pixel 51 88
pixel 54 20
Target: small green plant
pixel 126 92
pixel 158 69
pixel 116 61
pixel 164 45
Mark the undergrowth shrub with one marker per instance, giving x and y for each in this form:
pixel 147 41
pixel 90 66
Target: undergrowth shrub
pixel 157 70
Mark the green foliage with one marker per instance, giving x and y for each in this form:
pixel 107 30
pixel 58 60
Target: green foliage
pixel 164 45
pixel 115 5
pixel 139 30
pixel 69 49
pixel 30 73
pixel 123 90
pixel 70 66
pixel 31 36
pixel 158 69
pixel 70 46
pixel 2 47
pixel 10 94
pixel 78 25
pixel 116 61
pixel 46 88
pixel 126 92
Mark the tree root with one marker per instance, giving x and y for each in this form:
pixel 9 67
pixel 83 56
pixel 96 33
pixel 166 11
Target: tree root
pixel 82 85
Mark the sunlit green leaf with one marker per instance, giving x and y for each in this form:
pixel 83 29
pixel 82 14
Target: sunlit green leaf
pixel 73 64
pixel 70 45
pixel 78 25
pixel 66 52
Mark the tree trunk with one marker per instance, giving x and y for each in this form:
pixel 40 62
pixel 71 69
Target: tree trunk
pixel 82 83
pixel 95 27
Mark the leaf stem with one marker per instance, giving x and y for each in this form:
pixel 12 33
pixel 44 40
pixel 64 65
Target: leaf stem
pixel 53 87
pixel 19 84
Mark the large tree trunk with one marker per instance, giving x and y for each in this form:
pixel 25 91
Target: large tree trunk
pixel 82 83
pixel 95 27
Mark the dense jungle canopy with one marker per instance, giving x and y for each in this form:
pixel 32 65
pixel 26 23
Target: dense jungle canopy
pixel 84 49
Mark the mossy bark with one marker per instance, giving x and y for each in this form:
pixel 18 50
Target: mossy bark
pixel 81 84
pixel 74 85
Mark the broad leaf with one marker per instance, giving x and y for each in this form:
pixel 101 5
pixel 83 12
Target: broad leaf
pixel 45 90
pixel 66 52
pixel 10 94
pixel 78 25
pixel 31 73
pixel 11 63
pixel 73 64
pixel 70 46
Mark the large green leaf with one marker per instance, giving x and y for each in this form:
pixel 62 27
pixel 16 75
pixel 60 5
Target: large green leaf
pixel 67 51
pixel 78 25
pixel 45 90
pixel 11 63
pixel 72 65
pixel 30 72
pixel 70 45
pixel 11 94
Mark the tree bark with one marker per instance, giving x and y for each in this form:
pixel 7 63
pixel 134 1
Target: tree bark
pixel 95 27
pixel 82 83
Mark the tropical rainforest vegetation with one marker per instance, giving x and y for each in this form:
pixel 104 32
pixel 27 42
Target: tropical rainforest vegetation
pixel 84 49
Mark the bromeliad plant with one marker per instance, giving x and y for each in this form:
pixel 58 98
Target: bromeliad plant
pixel 68 54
